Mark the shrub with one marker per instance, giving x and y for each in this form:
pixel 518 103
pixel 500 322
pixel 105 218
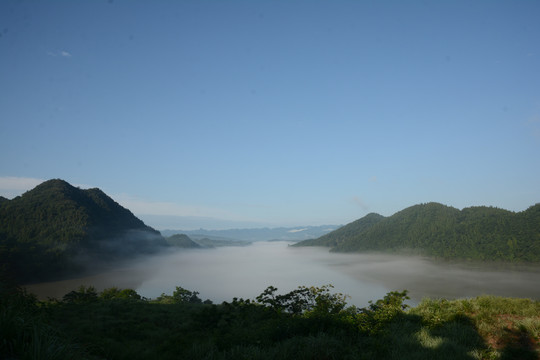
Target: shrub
pixel 376 316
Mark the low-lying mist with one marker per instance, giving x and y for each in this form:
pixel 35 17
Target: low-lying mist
pixel 223 273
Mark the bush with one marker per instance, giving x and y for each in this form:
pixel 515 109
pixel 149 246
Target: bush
pixel 377 315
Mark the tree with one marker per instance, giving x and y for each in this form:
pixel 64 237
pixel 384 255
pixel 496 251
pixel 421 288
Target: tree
pixel 181 295
pixel 309 300
pixel 84 294
pixel 116 293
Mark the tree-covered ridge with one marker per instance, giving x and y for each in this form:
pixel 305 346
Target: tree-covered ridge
pixel 342 234
pixel 45 228
pixel 480 233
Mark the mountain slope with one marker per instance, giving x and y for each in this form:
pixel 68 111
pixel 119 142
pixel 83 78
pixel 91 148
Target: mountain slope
pixel 182 241
pixel 42 231
pixel 338 236
pixel 482 233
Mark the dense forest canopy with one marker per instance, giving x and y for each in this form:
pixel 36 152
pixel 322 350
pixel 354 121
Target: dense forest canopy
pixel 45 229
pixel 480 233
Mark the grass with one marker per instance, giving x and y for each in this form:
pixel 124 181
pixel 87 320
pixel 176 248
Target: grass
pixel 509 327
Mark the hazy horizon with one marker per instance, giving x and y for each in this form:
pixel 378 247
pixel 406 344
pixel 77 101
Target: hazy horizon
pixel 12 187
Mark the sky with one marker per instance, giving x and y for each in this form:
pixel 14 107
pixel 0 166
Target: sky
pixel 223 114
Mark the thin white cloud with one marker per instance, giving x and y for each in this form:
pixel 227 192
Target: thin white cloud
pixel 296 230
pixel 145 207
pixel 11 186
pixel 62 53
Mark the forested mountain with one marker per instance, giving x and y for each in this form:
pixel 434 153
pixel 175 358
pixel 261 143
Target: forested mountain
pixel 43 231
pixel 481 233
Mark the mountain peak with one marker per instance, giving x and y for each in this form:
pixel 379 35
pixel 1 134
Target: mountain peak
pixel 55 222
pixel 54 184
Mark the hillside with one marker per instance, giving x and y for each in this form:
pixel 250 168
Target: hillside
pixel 182 241
pixel 45 229
pixel 344 233
pixel 480 233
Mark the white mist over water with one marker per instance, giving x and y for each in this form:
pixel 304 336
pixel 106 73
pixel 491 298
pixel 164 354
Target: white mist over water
pixel 223 273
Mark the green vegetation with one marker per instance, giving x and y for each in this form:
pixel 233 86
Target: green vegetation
pixel 26 331
pixel 307 323
pixel 181 240
pixel 344 233
pixel 45 229
pixel 480 233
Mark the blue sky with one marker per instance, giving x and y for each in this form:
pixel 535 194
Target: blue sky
pixel 223 114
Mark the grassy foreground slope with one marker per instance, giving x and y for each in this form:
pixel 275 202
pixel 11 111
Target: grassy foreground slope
pixel 480 233
pixel 307 323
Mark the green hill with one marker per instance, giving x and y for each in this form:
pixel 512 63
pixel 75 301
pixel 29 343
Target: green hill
pixel 480 233
pixel 46 229
pixel 338 236
pixel 181 240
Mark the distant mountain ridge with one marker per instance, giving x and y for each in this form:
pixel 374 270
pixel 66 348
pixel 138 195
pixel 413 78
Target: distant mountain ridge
pixel 297 233
pixel 479 233
pixel 184 241
pixel 42 231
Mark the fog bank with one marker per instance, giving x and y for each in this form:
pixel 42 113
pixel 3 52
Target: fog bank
pixel 223 273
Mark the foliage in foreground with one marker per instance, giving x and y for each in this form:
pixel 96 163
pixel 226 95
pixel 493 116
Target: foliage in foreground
pixel 306 323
